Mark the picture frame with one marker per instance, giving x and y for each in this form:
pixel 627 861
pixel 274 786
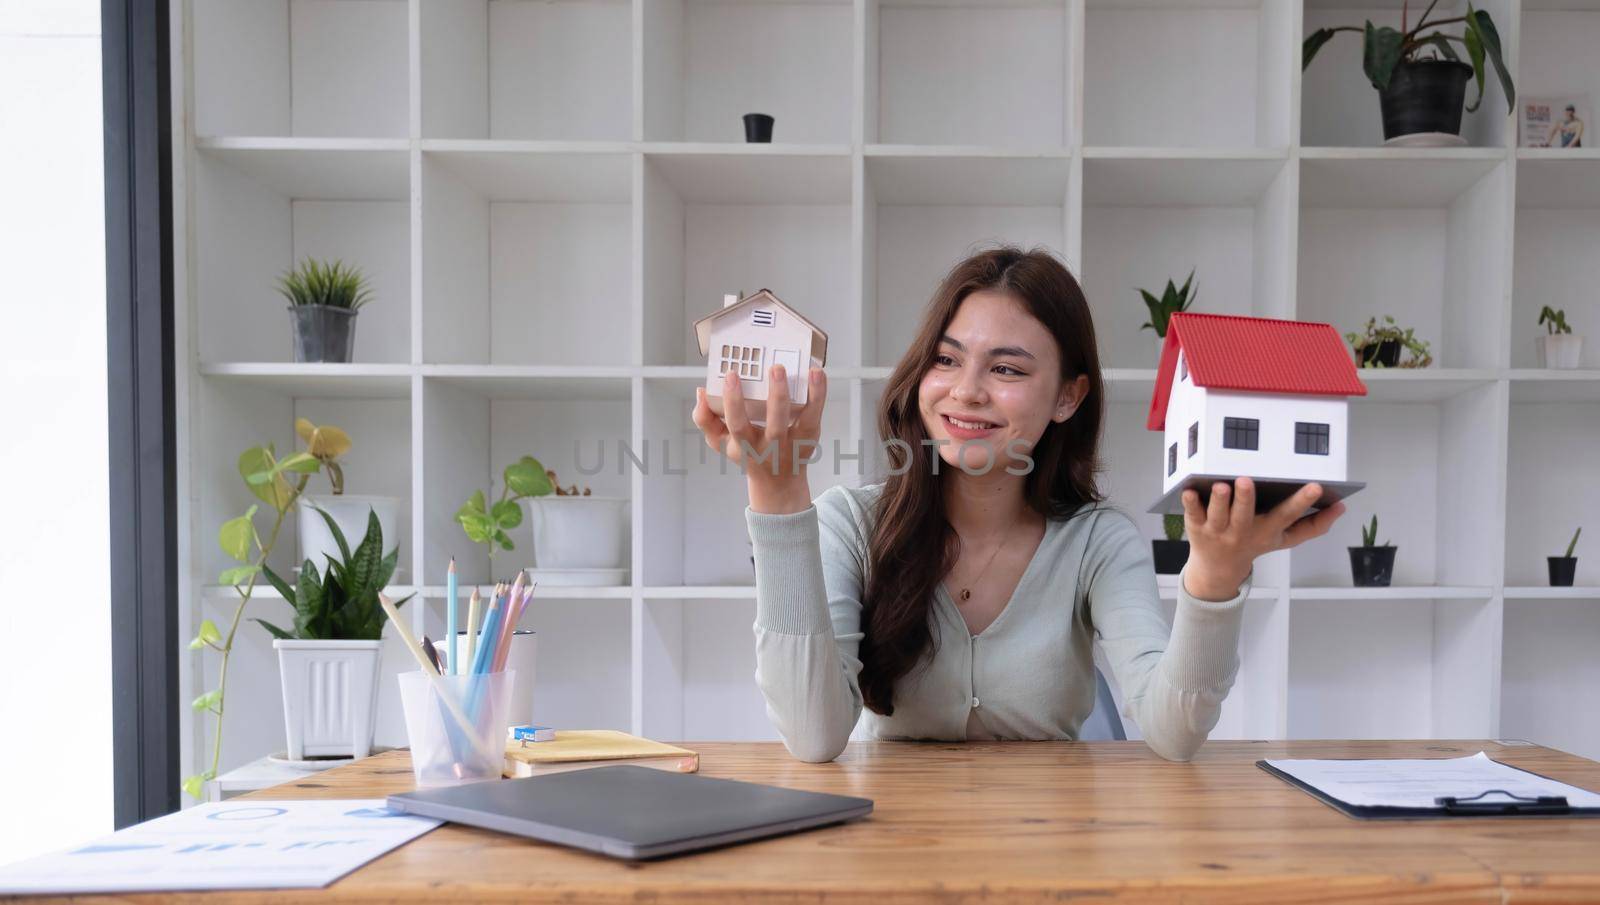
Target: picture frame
pixel 1555 121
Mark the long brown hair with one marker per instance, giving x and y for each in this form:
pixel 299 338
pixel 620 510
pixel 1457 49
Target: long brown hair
pixel 912 544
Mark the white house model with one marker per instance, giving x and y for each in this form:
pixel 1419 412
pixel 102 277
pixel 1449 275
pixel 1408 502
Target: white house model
pixel 1250 396
pixel 749 335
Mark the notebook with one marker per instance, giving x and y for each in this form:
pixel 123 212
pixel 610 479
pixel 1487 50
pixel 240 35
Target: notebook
pixel 629 812
pixel 581 749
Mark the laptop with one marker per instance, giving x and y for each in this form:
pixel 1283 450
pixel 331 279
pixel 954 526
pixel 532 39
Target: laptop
pixel 633 813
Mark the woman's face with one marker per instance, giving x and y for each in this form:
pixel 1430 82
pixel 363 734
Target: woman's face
pixel 994 386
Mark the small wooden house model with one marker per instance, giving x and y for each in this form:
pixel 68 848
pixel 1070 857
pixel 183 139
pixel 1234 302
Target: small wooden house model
pixel 749 335
pixel 1249 396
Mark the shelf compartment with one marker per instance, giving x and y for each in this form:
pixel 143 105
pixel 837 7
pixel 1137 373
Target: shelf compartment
pixel 1557 225
pixel 548 382
pixel 259 212
pixel 1012 91
pixel 1422 675
pixel 693 522
pixel 301 67
pixel 338 381
pixel 922 214
pixel 725 223
pixel 514 69
pixel 1537 385
pixel 708 63
pixel 1550 488
pixel 472 431
pixel 1339 105
pixel 1241 99
pixel 525 257
pixel 1437 528
pixel 1422 239
pixel 1142 227
pixel 1549 673
pixel 332 169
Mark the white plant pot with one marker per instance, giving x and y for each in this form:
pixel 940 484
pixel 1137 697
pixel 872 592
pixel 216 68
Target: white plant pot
pixel 330 696
pixel 349 512
pixel 1560 351
pixel 579 532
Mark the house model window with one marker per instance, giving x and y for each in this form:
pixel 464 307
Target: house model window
pixel 1194 439
pixel 1241 433
pixel 1183 367
pixel 1310 438
pixel 1172 458
pixel 742 360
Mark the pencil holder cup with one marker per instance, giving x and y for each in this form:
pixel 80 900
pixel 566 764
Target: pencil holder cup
pixel 457 725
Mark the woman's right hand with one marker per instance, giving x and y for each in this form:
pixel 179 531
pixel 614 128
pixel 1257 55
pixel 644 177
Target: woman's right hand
pixel 773 457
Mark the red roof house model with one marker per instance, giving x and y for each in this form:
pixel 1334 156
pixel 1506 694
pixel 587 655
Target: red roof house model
pixel 1254 354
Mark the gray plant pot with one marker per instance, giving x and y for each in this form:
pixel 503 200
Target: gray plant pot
pixel 323 332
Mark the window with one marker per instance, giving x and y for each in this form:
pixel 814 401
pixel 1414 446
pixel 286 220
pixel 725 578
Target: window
pixel 742 360
pixel 1183 368
pixel 1172 458
pixel 1310 438
pixel 1241 433
pixel 1194 439
pixel 763 317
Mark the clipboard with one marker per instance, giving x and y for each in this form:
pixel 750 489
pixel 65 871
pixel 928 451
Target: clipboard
pixel 1457 806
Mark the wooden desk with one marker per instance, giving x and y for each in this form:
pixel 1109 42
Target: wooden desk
pixel 1021 821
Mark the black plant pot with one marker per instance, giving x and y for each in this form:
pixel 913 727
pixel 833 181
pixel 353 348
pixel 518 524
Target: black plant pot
pixel 1424 96
pixel 1563 569
pixel 1386 353
pixel 757 128
pixel 1170 555
pixel 1372 567
pixel 323 333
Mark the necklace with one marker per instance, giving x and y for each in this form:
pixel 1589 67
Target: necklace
pixel 966 593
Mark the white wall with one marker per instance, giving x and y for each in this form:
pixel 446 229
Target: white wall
pixel 55 767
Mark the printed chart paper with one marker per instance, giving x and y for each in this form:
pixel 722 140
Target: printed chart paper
pixel 1415 783
pixel 225 845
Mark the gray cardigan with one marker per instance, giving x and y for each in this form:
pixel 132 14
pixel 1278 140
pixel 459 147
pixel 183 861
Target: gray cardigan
pixel 1029 675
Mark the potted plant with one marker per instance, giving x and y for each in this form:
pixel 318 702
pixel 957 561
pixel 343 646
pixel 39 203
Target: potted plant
pixel 492 524
pixel 348 511
pixel 329 661
pixel 1564 568
pixel 278 483
pixel 579 538
pixel 1420 78
pixel 1371 566
pixel 1380 346
pixel 1558 348
pixel 1172 301
pixel 1172 553
pixel 324 300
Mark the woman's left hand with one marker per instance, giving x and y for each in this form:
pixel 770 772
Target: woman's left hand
pixel 1227 535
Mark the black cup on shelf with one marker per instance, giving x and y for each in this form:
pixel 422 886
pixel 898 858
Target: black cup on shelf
pixel 1563 569
pixel 758 128
pixel 1372 567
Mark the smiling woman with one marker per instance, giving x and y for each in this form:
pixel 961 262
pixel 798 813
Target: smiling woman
pixel 960 599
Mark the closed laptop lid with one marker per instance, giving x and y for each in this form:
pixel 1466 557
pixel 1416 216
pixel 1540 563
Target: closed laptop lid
pixel 632 812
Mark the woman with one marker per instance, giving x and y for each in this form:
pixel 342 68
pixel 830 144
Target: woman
pixel 959 599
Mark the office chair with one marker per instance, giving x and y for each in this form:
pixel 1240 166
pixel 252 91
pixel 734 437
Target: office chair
pixel 1103 722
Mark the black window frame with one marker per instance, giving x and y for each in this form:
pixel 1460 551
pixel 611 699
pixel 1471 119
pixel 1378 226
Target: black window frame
pixel 1238 432
pixel 1307 435
pixel 1194 439
pixel 1172 458
pixel 141 428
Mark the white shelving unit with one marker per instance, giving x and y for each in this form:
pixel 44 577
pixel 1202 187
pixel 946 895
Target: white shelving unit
pixel 547 194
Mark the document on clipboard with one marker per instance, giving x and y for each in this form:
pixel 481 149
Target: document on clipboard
pixel 1434 787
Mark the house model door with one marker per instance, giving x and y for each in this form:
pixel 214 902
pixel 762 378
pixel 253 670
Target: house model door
pixel 790 359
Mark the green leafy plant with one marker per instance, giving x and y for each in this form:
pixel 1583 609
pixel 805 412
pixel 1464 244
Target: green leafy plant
pixel 1365 344
pixel 320 283
pixel 1172 526
pixel 487 523
pixel 1172 301
pixel 1554 320
pixel 278 483
pixel 1383 48
pixel 342 604
pixel 1573 545
pixel 1369 534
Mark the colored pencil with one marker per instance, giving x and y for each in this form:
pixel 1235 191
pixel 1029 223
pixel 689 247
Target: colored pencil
pixel 472 632
pixel 450 618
